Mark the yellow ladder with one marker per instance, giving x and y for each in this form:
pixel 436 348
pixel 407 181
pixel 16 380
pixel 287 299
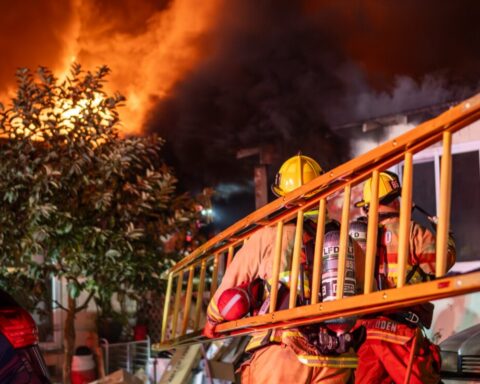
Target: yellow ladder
pixel 201 268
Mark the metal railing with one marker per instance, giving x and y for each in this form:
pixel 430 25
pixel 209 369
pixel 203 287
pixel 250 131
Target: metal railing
pixel 204 262
pixel 130 356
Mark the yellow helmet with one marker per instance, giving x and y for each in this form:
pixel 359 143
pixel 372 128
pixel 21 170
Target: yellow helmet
pixel 295 172
pixel 388 189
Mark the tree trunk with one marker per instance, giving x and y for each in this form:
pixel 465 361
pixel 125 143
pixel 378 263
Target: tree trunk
pixel 69 339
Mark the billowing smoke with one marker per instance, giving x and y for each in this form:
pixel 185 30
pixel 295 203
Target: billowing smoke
pixel 287 73
pixel 268 81
pixel 214 77
pixel 363 102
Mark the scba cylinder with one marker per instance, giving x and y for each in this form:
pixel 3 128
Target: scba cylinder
pixel 331 248
pixel 358 232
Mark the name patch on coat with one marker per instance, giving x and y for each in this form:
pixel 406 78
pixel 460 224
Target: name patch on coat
pixel 386 325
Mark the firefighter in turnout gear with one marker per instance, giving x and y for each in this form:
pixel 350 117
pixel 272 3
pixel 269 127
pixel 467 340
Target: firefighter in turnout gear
pixel 396 338
pixel 296 355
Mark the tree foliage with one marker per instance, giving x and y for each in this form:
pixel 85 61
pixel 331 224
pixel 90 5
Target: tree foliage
pixel 77 201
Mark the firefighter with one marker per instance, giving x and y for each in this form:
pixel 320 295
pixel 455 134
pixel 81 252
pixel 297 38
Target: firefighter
pixel 282 356
pixel 395 339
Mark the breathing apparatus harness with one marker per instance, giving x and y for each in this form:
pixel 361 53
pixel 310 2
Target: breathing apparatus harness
pixel 321 335
pixel 418 315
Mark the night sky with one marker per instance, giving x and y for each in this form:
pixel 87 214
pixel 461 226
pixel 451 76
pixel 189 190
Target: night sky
pixel 218 76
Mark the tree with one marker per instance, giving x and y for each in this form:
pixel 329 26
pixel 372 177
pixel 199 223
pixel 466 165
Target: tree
pixel 78 201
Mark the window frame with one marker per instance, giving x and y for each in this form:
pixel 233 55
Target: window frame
pixel 57 318
pixel 434 154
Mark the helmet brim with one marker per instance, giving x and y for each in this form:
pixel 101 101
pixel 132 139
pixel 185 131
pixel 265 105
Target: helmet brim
pixel 277 191
pixel 385 199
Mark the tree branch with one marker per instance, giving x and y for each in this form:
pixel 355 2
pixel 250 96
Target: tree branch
pixel 85 304
pixel 59 305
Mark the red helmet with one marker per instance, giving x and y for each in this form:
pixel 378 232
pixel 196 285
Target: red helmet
pixel 234 303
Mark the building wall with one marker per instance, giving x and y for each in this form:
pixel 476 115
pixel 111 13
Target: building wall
pixel 455 314
pixel 364 142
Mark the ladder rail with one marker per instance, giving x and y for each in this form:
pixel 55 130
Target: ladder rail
pixel 220 250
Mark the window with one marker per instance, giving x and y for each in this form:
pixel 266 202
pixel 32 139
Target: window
pixel 49 322
pixel 465 203
pixel 465 216
pixel 424 195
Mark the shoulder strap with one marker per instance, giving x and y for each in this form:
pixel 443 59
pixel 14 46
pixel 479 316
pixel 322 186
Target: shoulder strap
pixel 387 215
pixel 423 274
pixel 381 258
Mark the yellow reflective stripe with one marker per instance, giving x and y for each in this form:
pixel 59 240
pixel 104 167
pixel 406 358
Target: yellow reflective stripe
pixel 257 340
pixel 392 338
pixel 276 337
pixel 292 334
pixel 253 345
pixel 308 360
pixel 284 277
pixel 213 312
pixel 328 361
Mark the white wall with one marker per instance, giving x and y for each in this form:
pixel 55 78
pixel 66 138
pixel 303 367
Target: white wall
pixel 361 145
pixel 457 313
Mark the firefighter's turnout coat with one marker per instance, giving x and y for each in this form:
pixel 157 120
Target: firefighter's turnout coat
pixel 385 354
pixel 289 352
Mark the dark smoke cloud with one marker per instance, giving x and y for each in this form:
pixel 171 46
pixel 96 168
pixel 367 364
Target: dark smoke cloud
pixel 288 73
pixel 390 38
pixel 267 82
pixel 402 55
pixel 275 72
pixel 363 102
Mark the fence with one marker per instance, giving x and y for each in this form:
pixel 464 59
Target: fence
pixel 130 356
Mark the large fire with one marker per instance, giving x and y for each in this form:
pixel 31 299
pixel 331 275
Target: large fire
pixel 149 47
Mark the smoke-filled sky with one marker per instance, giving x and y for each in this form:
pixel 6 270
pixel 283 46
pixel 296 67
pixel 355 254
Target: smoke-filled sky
pixel 216 76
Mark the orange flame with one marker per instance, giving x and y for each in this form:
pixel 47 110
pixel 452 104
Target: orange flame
pixel 145 65
pixel 149 46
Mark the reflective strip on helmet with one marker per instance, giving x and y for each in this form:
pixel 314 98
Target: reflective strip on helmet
pixel 234 300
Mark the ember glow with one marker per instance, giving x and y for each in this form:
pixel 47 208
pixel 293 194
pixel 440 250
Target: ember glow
pixel 64 115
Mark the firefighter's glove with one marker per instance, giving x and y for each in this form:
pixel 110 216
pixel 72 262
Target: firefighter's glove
pixel 209 329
